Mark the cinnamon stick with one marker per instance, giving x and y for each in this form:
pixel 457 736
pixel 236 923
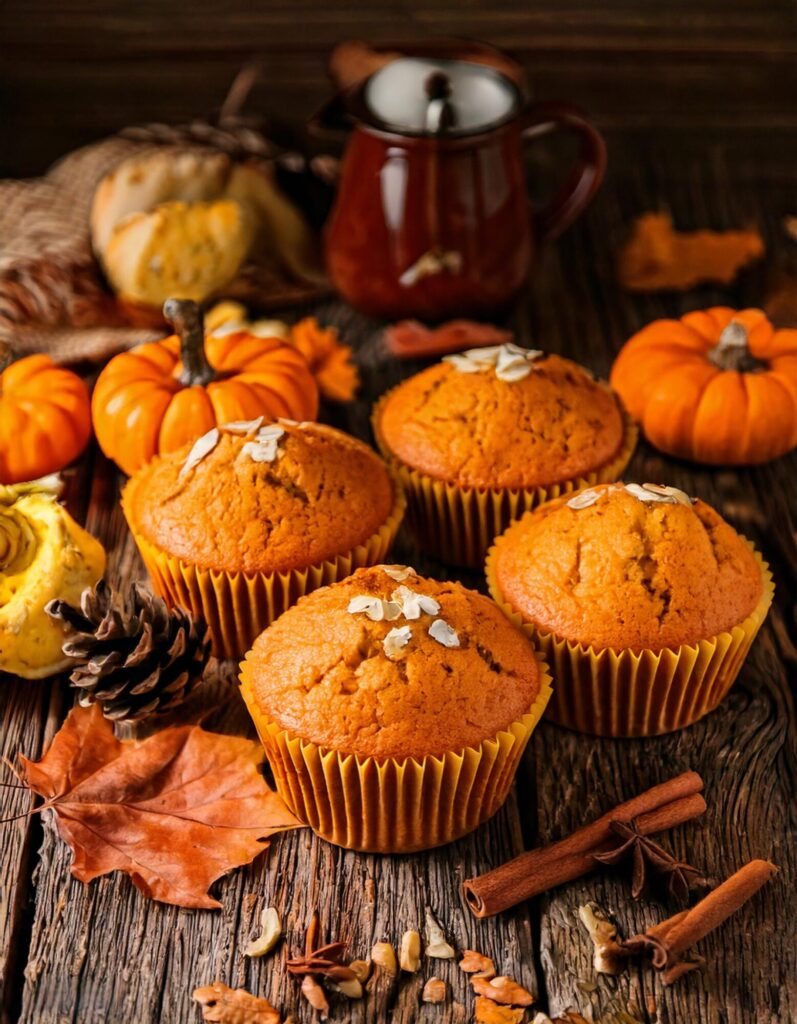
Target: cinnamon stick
pixel 685 929
pixel 668 940
pixel 664 806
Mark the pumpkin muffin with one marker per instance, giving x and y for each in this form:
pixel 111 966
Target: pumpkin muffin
pixel 645 601
pixel 483 436
pixel 394 708
pixel 253 515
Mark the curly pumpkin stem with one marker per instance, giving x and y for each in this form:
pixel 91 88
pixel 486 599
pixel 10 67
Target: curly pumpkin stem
pixel 732 352
pixel 186 318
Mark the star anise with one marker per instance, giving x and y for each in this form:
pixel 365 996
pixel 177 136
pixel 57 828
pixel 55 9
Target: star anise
pixel 648 857
pixel 320 961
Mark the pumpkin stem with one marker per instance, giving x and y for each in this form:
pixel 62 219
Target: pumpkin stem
pixel 186 318
pixel 732 352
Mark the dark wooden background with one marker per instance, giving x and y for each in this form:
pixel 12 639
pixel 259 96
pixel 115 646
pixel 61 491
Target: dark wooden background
pixel 710 70
pixel 698 103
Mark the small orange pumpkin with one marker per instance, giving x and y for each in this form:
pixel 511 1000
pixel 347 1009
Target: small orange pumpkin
pixel 717 386
pixel 45 417
pixel 161 395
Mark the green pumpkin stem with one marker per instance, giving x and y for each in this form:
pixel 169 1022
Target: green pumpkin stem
pixel 186 318
pixel 732 352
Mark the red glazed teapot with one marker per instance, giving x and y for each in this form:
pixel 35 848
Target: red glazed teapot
pixel 432 218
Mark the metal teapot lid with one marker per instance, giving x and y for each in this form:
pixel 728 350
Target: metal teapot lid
pixel 418 96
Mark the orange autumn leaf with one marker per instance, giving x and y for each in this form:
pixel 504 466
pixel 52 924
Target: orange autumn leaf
pixel 175 811
pixel 488 1012
pixel 224 1005
pixel 330 361
pixel 657 258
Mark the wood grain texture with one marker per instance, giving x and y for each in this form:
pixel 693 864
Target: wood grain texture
pixel 72 73
pixel 102 953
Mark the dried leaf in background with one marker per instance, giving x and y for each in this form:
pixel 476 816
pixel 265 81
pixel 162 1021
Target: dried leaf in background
pixel 175 811
pixel 656 257
pixel 224 1005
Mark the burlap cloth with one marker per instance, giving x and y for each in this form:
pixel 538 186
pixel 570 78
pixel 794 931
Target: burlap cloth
pixel 53 297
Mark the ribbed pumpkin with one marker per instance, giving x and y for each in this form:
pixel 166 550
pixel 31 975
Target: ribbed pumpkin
pixel 45 417
pixel 717 386
pixel 161 395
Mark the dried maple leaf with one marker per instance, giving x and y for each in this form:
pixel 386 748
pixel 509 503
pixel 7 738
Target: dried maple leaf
pixel 657 258
pixel 175 811
pixel 502 990
pixel 488 1012
pixel 224 1005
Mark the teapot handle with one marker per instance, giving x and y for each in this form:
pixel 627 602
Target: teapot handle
pixel 587 172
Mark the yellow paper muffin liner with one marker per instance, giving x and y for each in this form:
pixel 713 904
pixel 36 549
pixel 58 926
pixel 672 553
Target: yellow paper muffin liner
pixel 623 693
pixel 238 606
pixel 458 524
pixel 390 805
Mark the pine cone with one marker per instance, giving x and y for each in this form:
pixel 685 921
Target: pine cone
pixel 135 657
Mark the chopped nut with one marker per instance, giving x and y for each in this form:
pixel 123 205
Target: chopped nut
pixel 361 969
pixel 396 640
pixel 609 957
pixel 502 990
pixel 443 633
pixel 434 991
pixel 374 607
pixel 271 929
pixel 383 955
pixel 352 988
pixel 413 605
pixel 399 573
pixel 242 426
pixel 488 1012
pixel 410 952
pixel 436 944
pixel 477 964
pixel 659 493
pixel 202 447
pixel 315 996
pixel 541 1018
pixel 583 499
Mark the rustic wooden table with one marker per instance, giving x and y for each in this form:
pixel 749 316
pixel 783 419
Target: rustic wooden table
pixel 102 953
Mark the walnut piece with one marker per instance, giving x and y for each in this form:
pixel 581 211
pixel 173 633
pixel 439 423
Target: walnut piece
pixel 477 964
pixel 488 1012
pixel 434 991
pixel 502 990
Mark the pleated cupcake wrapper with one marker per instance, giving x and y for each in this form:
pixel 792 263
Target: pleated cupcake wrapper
pixel 458 524
pixel 238 606
pixel 626 693
pixel 390 805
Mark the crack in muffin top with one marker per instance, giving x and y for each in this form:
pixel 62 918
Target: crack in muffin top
pixel 331 675
pixel 477 430
pixel 300 495
pixel 623 571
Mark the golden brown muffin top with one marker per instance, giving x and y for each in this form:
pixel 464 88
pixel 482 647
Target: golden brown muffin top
pixel 262 497
pixel 628 566
pixel 442 670
pixel 520 419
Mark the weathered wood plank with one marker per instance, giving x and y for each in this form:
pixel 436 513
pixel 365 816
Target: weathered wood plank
pixel 746 750
pixel 102 952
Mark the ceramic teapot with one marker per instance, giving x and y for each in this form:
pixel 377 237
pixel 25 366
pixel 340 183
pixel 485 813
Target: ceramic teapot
pixel 432 216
